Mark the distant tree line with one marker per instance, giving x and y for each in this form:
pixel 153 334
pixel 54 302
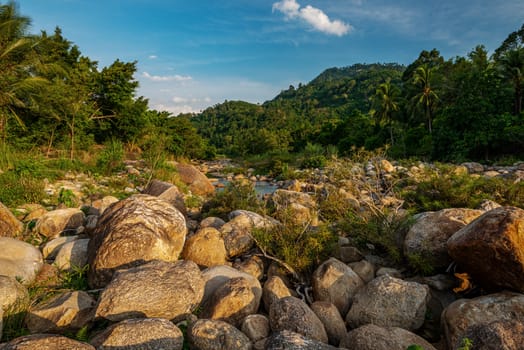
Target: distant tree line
pixel 464 108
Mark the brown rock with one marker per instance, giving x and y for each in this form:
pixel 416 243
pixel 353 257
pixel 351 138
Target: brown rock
pixel 256 327
pixel 373 337
pixel 491 249
pixel 337 283
pixel 206 248
pixel 331 319
pixel 274 289
pixel 19 260
pixel 45 342
pixel 364 269
pixel 389 302
pixel 292 314
pixel 237 235
pixel 72 255
pixel 137 229
pixel 212 221
pixel 156 289
pixel 13 296
pixel 252 265
pixel 289 340
pixel 52 247
pixel 10 226
pixel 216 335
pixel 233 301
pixel 68 311
pixel 465 313
pixel 54 223
pixel 168 192
pixel 140 334
pixel 428 236
pixel 497 335
pixel 100 205
pixel 198 183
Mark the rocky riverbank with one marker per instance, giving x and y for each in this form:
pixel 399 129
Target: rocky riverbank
pixel 161 276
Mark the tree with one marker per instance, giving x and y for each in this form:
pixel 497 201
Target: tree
pixel 512 66
pixel 426 97
pixel 384 104
pixel 16 62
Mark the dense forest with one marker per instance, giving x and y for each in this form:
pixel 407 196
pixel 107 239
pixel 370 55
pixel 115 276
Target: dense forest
pixel 54 100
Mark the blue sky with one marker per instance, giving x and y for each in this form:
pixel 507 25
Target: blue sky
pixel 194 54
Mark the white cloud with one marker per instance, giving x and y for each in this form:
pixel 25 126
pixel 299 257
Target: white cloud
pixel 176 109
pixel 313 16
pixel 153 57
pixel 177 99
pixel 166 77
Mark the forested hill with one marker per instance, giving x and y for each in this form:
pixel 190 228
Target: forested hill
pixel 308 113
pixel 456 109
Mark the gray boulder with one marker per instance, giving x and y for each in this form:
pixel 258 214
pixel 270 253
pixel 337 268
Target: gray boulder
pixel 216 335
pixel 19 260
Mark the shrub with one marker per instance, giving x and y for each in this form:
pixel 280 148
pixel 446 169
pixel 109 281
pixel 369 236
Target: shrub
pixel 67 197
pixel 301 247
pixel 18 189
pixel 111 158
pixel 236 195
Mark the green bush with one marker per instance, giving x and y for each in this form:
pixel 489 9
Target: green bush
pixel 236 195
pixel 303 248
pixel 16 189
pixel 111 158
pixel 67 198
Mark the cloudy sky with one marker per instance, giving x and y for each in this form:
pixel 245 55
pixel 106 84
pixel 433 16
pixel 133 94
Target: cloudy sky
pixel 194 54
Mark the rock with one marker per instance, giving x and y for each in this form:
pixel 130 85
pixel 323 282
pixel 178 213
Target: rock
pixel 56 222
pixel 216 335
pixel 288 340
pixel 67 311
pixel 255 220
pixel 491 249
pixel 487 205
pixel 388 271
pixel 156 289
pixel 252 265
pixel 233 301
pixel 373 337
pixel 51 248
pixel 91 223
pixel 274 289
pixel 389 302
pixel 168 192
pixel 256 327
pixel 198 183
pixel 19 260
pixel 292 314
pixel 348 254
pixel 237 235
pixel 13 296
pixel 331 319
pixel 427 238
pixel 48 277
pixel 72 255
pixel 465 313
pixel 10 226
pixel 212 221
pixel 473 168
pixel 102 204
pixel 364 269
pixel 140 334
pixel 214 277
pixel 45 342
pixel 206 248
pixel 386 166
pixel 337 283
pixel 491 173
pixel 137 229
pixel 496 335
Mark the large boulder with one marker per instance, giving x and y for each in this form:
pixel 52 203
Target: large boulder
pixel 299 206
pixel 373 337
pixel 68 311
pixel 10 226
pixel 274 289
pixel 337 283
pixel 463 314
pixel 156 289
pixel 389 302
pixel 292 314
pixel 331 319
pixel 506 334
pixel 45 342
pixel 428 236
pixel 256 327
pixel 52 247
pixel 19 260
pixel 168 192
pixel 198 183
pixel 205 334
pixel 56 222
pixel 205 247
pixel 72 255
pixel 491 249
pixel 233 301
pixel 140 334
pixel 137 229
pixel 13 295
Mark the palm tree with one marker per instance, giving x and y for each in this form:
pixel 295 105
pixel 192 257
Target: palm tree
pixel 512 65
pixel 16 54
pixel 384 104
pixel 427 97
